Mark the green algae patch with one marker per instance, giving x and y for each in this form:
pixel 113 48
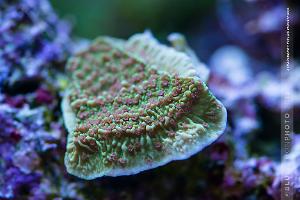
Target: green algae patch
pixel 135 105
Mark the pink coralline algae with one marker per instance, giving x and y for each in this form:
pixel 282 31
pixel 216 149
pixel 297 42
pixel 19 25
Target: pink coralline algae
pixel 135 105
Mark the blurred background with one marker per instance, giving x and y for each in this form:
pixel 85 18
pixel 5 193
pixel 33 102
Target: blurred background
pixel 208 24
pixel 240 41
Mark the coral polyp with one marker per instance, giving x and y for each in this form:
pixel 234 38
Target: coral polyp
pixel 135 105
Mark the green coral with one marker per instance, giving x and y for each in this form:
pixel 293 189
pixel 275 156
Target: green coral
pixel 135 105
pixel 179 42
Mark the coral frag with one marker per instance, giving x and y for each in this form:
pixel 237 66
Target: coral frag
pixel 125 115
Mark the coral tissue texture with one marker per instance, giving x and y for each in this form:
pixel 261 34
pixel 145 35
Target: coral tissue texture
pixel 135 105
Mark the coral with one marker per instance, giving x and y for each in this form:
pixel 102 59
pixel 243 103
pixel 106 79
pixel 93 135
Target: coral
pixel 179 42
pixel 241 164
pixel 135 105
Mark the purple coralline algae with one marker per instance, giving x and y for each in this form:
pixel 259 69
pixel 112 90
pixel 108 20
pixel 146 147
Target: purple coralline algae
pixel 233 84
pixel 273 88
pixel 289 169
pixel 33 44
pixel 27 141
pixel 32 38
